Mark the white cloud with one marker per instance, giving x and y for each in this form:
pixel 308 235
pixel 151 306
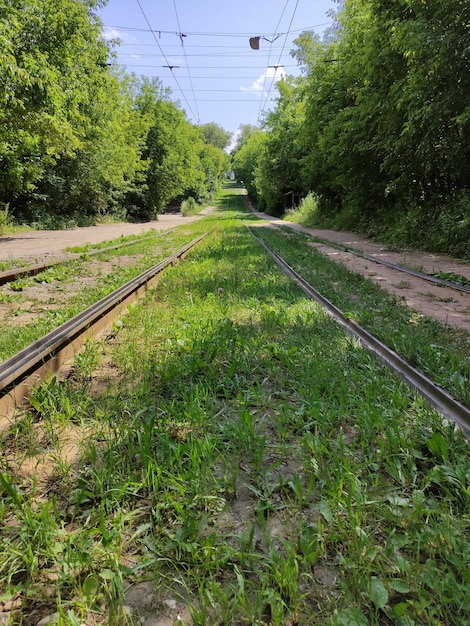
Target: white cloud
pixel 269 77
pixel 113 33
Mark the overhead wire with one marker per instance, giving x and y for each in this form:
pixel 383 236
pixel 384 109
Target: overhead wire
pixel 181 35
pixel 269 58
pixel 209 34
pixel 170 67
pixel 228 52
pixel 282 51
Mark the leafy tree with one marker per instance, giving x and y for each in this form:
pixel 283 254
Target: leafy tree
pixel 179 162
pixel 278 170
pixel 246 160
pixel 107 165
pixel 243 135
pixel 216 135
pixel 52 56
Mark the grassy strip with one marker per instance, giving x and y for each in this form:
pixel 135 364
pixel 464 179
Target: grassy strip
pixel 72 296
pixel 127 239
pixel 243 456
pixel 441 352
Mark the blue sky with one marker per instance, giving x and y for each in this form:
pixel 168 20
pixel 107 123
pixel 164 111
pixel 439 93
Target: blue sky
pixel 201 50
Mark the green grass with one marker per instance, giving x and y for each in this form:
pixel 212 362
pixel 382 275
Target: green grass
pixel 128 239
pixel 71 294
pixel 241 456
pixel 441 352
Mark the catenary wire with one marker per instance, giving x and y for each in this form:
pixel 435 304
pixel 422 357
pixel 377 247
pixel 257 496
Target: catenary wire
pixel 280 56
pixel 186 59
pixel 166 60
pixel 269 57
pixel 209 34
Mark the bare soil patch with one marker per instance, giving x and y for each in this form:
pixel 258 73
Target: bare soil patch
pixel 442 303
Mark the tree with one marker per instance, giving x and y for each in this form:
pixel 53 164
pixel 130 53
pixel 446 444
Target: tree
pixel 246 160
pixel 52 56
pixel 216 135
pixel 278 170
pixel 243 135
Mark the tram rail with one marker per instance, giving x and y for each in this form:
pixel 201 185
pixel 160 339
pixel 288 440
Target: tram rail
pixel 36 268
pixel 451 408
pixel 432 278
pixel 48 355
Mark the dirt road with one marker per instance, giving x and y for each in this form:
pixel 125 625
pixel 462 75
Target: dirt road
pixel 38 245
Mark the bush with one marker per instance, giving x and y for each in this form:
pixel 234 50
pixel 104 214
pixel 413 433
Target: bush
pixel 190 207
pixel 307 211
pixel 5 219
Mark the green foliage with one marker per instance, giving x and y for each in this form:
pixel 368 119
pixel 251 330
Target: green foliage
pixel 79 139
pixel 244 133
pixel 278 168
pixel 307 211
pixel 246 160
pixel 215 135
pixel 378 125
pixel 5 219
pixel 190 206
pixel 52 56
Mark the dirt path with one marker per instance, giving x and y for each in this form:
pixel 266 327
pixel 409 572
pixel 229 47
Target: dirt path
pixel 38 245
pixel 446 305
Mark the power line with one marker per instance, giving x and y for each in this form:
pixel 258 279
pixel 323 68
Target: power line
pixel 269 55
pixel 207 67
pixel 282 51
pixel 162 52
pixel 181 35
pixel 244 54
pixel 166 60
pixel 209 34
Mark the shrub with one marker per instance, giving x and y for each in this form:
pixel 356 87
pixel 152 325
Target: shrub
pixel 307 211
pixel 190 207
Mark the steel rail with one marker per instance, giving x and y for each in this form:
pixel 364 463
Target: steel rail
pixel 48 355
pixel 429 277
pixel 438 397
pixel 32 270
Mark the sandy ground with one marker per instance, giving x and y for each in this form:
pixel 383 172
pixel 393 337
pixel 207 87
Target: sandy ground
pixel 39 245
pixel 447 305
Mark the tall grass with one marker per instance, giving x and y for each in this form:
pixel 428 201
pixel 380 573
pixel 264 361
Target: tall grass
pixel 240 459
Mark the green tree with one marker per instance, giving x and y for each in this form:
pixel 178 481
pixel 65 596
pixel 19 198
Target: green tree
pixel 52 56
pixel 215 135
pixel 97 177
pixel 246 161
pixel 278 170
pixel 243 135
pixel 173 153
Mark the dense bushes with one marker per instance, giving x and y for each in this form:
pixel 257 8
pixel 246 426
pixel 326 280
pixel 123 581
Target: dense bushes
pixel 79 139
pixel 378 126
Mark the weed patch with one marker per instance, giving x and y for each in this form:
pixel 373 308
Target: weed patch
pixel 248 463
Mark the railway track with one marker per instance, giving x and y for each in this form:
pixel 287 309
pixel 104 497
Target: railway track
pixel 463 287
pixel 432 278
pixel 49 354
pixel 36 268
pixel 438 397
